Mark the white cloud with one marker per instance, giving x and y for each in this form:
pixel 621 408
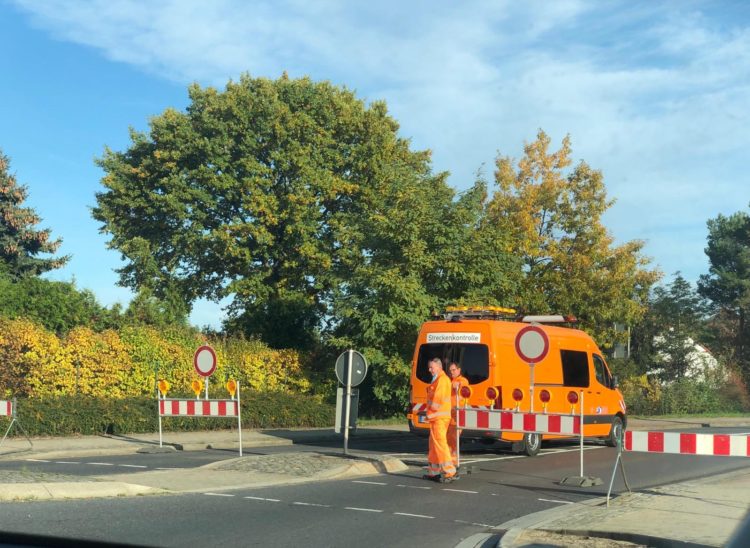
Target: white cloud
pixel 653 96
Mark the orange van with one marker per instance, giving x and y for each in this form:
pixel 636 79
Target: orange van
pixel 482 341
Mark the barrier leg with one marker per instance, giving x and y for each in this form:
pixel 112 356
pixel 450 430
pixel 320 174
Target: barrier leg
pixel 619 461
pixel 7 431
pixel 13 421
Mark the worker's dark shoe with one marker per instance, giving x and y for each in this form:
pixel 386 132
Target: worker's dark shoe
pixel 431 478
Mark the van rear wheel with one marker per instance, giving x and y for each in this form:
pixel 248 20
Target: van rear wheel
pixel 615 433
pixel 529 445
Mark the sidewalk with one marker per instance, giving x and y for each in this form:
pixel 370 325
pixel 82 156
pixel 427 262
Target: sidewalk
pixel 697 513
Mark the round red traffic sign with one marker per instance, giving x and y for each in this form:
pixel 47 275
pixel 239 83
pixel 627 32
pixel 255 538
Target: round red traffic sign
pixel 532 344
pixel 204 361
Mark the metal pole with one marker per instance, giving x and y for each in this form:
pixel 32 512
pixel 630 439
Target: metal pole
pixel 239 415
pixel 458 449
pixel 158 412
pixel 581 451
pixel 207 387
pixel 531 388
pixel 348 396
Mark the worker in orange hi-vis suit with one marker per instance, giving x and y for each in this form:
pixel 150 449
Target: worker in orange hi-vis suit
pixel 457 381
pixel 440 466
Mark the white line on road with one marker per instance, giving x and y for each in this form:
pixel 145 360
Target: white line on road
pixel 370 482
pixel 37 460
pixel 66 462
pixel 556 501
pixel 261 498
pixel 312 504
pixel 101 463
pixel 413 515
pixel 472 523
pixel 132 465
pixel 413 486
pixel 461 491
pixel 361 509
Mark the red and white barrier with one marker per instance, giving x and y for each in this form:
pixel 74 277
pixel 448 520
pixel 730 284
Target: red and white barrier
pixel 198 408
pixel 6 408
pixel 473 418
pixel 682 443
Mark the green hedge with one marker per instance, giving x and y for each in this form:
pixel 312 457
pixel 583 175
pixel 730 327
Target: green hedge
pixel 86 415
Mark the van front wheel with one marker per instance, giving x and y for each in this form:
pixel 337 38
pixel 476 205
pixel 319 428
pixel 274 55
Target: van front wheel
pixel 615 433
pixel 529 445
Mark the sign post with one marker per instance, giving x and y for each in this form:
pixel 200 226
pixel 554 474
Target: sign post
pixel 351 370
pixel 532 345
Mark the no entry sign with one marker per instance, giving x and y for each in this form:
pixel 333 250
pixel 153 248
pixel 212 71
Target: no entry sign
pixel 532 344
pixel 204 361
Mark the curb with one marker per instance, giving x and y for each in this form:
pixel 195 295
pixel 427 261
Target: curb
pixel 513 538
pixel 73 490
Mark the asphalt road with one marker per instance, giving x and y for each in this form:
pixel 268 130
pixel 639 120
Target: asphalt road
pixel 393 510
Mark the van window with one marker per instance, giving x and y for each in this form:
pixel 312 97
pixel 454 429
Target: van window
pixel 602 373
pixel 473 359
pixel 575 366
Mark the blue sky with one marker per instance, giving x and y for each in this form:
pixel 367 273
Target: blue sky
pixel 655 94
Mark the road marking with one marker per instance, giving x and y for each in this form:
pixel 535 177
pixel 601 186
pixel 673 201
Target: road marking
pixel 413 486
pixel 218 494
pixel 66 462
pixel 132 465
pixel 37 460
pixel 472 523
pixel 506 457
pixel 413 515
pixel 312 504
pixel 261 498
pixel 556 501
pixel 461 491
pixel 361 509
pixel 101 463
pixel 370 482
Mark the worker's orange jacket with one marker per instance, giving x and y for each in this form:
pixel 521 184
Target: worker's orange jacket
pixel 439 398
pixel 456 385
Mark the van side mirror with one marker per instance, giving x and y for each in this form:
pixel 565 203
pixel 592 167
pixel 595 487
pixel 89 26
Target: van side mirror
pixel 615 382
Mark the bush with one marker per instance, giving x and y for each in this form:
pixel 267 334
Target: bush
pixel 88 415
pixel 720 394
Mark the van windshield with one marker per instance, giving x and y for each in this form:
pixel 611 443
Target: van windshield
pixel 472 358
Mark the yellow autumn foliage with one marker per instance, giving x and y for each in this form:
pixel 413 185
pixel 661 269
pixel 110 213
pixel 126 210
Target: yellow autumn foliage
pixel 129 362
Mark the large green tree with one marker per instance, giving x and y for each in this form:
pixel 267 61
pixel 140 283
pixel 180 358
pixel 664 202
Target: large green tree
pixel 303 205
pixel 727 285
pixel 553 213
pixel 23 247
pixel 675 320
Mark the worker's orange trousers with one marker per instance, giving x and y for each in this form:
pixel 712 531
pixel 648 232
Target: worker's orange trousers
pixel 453 443
pixel 439 459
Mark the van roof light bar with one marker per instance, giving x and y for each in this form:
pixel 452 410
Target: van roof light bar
pixel 480 312
pixel 549 318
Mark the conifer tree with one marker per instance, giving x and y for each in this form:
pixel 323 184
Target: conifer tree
pixel 21 243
